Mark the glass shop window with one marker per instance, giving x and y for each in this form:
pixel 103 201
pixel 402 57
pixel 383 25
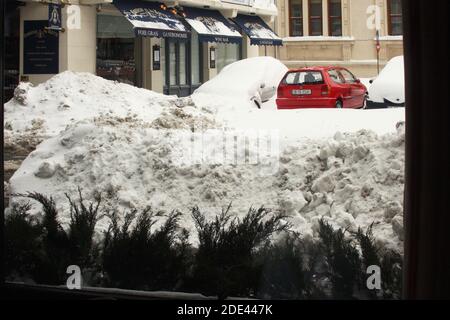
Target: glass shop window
pixel 116 49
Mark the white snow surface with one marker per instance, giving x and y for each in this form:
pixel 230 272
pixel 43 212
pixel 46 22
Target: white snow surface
pixel 390 84
pixel 345 166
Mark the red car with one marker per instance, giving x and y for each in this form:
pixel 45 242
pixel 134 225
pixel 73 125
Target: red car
pixel 321 87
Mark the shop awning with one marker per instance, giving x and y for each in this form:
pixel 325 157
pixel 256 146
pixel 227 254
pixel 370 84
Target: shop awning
pixel 150 20
pixel 258 31
pixel 212 26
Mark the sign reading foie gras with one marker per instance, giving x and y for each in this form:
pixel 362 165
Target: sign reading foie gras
pixel 40 48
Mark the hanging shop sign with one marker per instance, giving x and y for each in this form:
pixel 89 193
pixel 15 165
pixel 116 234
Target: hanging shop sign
pixel 40 48
pixel 54 17
pixel 212 57
pixel 156 57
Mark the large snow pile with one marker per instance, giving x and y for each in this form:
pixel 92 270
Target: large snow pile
pixel 134 145
pixel 390 84
pixel 239 82
pixel 351 180
pixel 36 113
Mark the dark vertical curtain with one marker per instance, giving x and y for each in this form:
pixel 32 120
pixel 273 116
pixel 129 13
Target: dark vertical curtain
pixel 427 194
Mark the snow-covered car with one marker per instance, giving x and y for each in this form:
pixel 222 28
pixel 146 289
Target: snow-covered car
pixel 249 82
pixel 388 89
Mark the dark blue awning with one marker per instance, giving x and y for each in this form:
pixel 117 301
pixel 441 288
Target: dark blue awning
pixel 150 20
pixel 258 31
pixel 212 26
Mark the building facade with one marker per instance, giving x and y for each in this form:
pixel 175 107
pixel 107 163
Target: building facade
pixel 339 32
pixel 105 37
pixel 168 46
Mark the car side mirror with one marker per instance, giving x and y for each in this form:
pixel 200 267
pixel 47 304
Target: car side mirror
pixel 371 81
pixel 358 81
pixel 262 86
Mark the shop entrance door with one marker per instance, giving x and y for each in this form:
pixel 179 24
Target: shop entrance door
pixel 177 71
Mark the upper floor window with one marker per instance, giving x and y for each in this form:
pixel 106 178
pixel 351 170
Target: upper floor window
pixel 395 21
pixel 315 18
pixel 296 18
pixel 335 18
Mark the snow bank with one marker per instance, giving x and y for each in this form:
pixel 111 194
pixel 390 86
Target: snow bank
pixel 390 84
pixel 352 180
pixel 70 97
pixel 133 145
pixel 239 82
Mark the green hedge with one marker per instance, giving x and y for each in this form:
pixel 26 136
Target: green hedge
pixel 234 257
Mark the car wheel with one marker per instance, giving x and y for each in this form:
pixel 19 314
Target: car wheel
pixel 338 104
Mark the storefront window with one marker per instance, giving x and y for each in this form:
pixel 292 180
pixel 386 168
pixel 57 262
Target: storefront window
pixel 116 49
pixel 163 60
pixel 195 59
pixel 226 53
pixel 173 63
pixel 182 63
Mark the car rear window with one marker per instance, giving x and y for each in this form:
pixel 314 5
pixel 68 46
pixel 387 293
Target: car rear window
pixel 304 77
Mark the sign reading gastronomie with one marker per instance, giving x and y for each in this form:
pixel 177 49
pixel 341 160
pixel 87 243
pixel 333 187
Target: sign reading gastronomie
pixel 40 48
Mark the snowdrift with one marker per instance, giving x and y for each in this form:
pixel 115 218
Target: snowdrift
pixel 128 144
pixel 352 180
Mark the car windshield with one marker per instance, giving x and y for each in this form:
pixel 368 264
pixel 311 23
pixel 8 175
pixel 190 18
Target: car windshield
pixel 304 77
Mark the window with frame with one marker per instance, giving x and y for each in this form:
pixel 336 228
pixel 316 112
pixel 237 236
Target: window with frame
pixel 304 77
pixel 116 54
pixel 296 18
pixel 335 18
pixel 315 18
pixel 335 76
pixel 395 17
pixel 347 75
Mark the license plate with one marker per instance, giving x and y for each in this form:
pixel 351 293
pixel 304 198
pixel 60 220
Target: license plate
pixel 301 92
